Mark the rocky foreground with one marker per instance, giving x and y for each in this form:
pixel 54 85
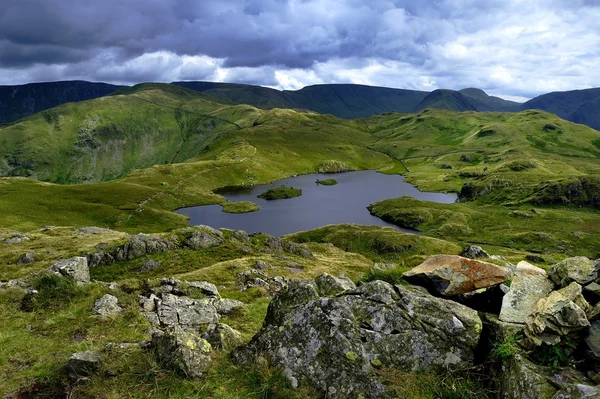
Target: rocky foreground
pixel 531 333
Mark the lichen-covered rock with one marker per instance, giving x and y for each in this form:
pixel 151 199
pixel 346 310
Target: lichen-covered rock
pixel 221 336
pixel 560 313
pixel 520 378
pixel 183 351
pixel 76 268
pixel 199 239
pixel 451 275
pixel 296 249
pixel 473 252
pixel 228 306
pixel 261 265
pixel 186 312
pixel 258 278
pixel 107 306
pixel 578 269
pixel 26 258
pixel 297 293
pixel 92 230
pixel 274 243
pixel 205 288
pixel 140 245
pixel 83 364
pixel 529 285
pixel 329 285
pixel 334 343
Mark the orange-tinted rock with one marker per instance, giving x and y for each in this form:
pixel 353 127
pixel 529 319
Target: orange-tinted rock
pixel 451 275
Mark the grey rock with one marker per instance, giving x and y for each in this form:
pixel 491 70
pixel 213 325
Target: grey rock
pixel 592 338
pixel 296 249
pixel 200 240
pixel 535 258
pixel 560 313
pixel 76 268
pixel 529 285
pixel 205 288
pixel 149 304
pixel 578 269
pixel 241 235
pixel 329 285
pixel 107 306
pixel 141 245
pixel 16 239
pixel 83 364
pixel 383 266
pixel 182 351
pixel 473 252
pixel 209 229
pixel 335 343
pixel 274 243
pixel 27 258
pixel 186 312
pixel 228 306
pixel 221 336
pixel 149 264
pixel 451 275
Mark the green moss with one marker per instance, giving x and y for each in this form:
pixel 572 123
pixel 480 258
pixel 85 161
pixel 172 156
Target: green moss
pixel 240 207
pixel 327 182
pixel 280 193
pixel 351 356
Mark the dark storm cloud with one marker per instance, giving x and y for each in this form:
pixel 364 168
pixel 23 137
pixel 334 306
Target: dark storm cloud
pixel 511 47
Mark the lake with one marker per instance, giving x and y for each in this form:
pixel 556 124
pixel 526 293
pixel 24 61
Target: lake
pixel 346 202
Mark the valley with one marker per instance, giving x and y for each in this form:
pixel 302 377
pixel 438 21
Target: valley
pixel 109 179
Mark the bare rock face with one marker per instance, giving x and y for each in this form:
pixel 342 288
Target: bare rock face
pixel 451 275
pixel 529 285
pixel 183 351
pixel 578 269
pixel 335 343
pixel 560 313
pixel 76 268
pixel 199 239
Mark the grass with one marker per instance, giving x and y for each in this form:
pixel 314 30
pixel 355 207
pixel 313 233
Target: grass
pixel 327 182
pixel 240 207
pixel 280 193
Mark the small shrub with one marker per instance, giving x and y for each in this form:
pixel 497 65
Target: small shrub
pixel 53 291
pixel 508 348
pixel 280 193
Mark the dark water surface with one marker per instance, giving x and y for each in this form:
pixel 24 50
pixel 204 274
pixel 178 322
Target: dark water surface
pixel 319 205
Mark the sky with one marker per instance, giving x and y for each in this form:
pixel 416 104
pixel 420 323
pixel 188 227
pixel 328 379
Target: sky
pixel 510 48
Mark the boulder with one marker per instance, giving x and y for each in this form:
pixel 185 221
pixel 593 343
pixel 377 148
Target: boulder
pixel 92 230
pixel 206 288
pixel 221 336
pixel 560 313
pixel 182 351
pixel 336 343
pixel 148 304
pixel 578 269
pixel 149 264
pixel 106 306
pixel 329 285
pixel 83 364
pixel 274 243
pixel 592 339
pixel 199 239
pixel 141 245
pixel 210 230
pixel 296 249
pixel 76 268
pixel 186 312
pixel 529 285
pixel 261 265
pixel 17 239
pixel 228 306
pixel 473 252
pixel 450 275
pixel 26 258
pixel 523 379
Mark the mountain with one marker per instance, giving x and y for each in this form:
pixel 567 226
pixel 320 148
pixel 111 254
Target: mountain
pixel 342 100
pixel 445 99
pixel 17 102
pixel 484 102
pixel 579 106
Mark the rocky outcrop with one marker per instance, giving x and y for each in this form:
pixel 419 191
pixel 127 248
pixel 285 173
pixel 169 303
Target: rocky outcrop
pixel 528 286
pixel 76 268
pixel 450 275
pixel 107 306
pixel 473 252
pixel 138 246
pixel 329 285
pixel 199 239
pixel 560 313
pixel 183 351
pixel 578 269
pixel 221 336
pixel 336 343
pixel 254 278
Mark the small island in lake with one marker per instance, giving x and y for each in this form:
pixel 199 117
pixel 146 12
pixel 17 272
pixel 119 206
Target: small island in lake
pixel 280 193
pixel 240 207
pixel 327 182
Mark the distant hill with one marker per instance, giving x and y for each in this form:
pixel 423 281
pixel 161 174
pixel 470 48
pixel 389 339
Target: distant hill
pixel 484 102
pixel 445 99
pixel 579 106
pixel 342 100
pixel 17 102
